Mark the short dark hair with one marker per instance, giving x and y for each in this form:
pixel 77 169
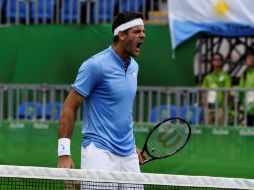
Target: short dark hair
pixel 123 18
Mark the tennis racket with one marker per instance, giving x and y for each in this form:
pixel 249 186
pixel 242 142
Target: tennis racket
pixel 166 138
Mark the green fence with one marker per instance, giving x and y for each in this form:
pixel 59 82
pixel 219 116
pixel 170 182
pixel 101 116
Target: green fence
pixel 226 152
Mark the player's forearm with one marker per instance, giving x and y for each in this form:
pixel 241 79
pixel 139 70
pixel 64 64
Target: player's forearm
pixel 66 124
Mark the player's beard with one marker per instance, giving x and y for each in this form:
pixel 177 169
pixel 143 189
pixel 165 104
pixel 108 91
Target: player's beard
pixel 131 48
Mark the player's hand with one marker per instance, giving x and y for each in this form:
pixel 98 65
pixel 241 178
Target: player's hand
pixel 141 157
pixel 65 162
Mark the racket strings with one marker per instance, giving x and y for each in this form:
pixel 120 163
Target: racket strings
pixel 168 138
pixel 178 134
pixel 158 146
pixel 164 148
pixel 154 148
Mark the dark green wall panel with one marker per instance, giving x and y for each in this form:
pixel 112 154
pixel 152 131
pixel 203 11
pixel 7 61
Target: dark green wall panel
pixel 53 53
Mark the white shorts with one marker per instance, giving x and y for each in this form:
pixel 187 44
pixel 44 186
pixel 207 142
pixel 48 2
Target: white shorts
pixel 93 158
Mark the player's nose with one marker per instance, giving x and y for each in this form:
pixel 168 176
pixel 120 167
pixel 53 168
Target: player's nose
pixel 142 35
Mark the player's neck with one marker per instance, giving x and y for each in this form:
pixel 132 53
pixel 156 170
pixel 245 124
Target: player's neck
pixel 120 52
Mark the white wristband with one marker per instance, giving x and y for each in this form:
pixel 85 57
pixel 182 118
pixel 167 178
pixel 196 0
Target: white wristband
pixel 64 146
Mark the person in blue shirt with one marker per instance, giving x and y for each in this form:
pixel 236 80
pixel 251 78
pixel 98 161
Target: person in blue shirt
pixel 107 83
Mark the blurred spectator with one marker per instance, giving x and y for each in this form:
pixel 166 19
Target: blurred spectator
pixel 247 81
pixel 216 79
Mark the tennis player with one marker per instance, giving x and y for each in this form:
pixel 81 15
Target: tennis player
pixel 107 82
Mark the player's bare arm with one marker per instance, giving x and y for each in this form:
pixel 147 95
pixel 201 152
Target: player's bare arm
pixel 66 125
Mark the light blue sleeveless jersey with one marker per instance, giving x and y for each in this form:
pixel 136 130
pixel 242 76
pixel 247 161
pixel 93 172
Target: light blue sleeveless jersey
pixel 110 93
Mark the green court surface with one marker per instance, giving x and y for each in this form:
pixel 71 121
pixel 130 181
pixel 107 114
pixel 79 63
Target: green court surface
pixel 225 152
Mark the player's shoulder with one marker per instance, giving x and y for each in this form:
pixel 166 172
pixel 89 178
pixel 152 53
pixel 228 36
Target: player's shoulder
pixel 102 55
pixel 95 60
pixel 91 63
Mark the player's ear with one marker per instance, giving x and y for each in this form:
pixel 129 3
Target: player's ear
pixel 121 35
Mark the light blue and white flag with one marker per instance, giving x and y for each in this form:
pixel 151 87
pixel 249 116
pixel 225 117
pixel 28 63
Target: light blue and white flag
pixel 218 17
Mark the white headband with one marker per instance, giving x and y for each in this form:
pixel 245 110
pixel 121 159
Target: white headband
pixel 127 25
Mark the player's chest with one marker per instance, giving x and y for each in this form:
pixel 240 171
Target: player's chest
pixel 119 83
